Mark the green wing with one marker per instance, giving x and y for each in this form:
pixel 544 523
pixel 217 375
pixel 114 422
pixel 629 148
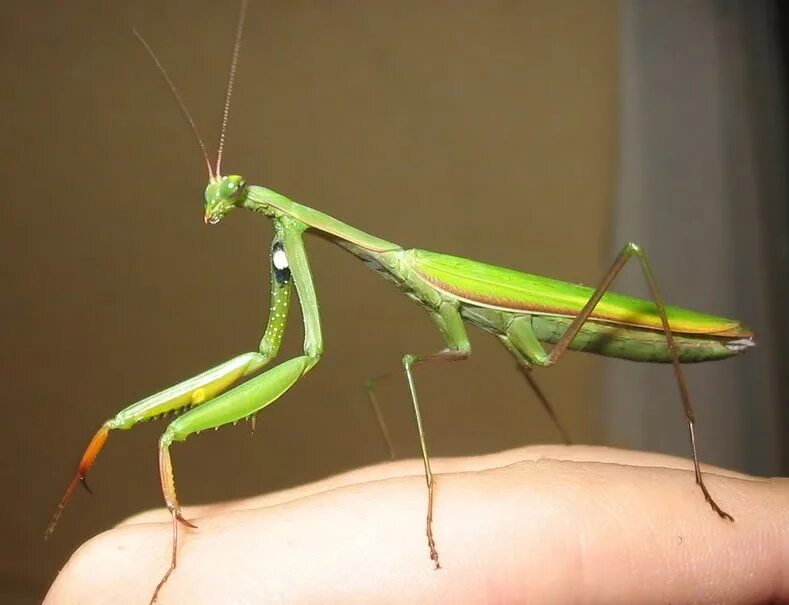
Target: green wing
pixel 501 288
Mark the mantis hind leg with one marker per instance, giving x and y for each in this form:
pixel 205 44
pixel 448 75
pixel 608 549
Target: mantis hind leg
pixel 512 343
pixel 538 356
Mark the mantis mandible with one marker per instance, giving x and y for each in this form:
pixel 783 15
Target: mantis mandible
pixel 523 311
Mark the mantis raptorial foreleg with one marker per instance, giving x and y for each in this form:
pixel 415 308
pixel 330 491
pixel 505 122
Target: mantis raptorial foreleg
pixel 288 259
pixel 196 390
pixel 236 404
pixel 189 393
pixel 521 335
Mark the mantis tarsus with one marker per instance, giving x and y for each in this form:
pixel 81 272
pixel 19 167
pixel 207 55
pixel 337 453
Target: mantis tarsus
pixel 523 311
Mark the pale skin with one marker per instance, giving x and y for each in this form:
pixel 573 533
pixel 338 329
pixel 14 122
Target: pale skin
pixel 540 524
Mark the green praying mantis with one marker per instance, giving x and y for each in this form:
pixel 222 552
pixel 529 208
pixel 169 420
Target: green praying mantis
pixel 523 311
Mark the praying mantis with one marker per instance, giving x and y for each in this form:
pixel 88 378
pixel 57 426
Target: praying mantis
pixel 523 311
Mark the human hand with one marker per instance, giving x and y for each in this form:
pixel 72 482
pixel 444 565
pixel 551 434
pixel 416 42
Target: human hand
pixel 540 524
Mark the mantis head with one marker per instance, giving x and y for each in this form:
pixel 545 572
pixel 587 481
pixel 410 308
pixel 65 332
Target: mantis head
pixel 222 194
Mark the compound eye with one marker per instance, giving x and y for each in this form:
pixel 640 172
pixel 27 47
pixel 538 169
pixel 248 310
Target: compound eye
pixel 232 188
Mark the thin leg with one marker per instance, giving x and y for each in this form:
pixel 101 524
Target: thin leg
pixel 563 343
pixel 527 372
pixel 409 362
pixel 526 367
pixel 369 388
pixel 451 325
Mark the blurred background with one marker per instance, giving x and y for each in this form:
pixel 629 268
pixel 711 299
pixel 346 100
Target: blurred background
pixel 536 135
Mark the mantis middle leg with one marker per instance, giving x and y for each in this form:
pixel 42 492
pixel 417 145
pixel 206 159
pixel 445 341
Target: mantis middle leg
pixel 523 365
pixel 449 321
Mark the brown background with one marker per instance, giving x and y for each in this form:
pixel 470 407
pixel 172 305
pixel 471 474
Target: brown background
pixel 483 129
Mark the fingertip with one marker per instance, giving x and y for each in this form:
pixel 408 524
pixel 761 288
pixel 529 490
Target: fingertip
pixel 104 569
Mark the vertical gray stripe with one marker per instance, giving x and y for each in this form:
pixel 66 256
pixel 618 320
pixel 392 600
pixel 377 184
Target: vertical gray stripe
pixel 691 192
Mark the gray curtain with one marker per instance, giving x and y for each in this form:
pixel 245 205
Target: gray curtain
pixel 702 188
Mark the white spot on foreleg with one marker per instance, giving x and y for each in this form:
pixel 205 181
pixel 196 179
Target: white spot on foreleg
pixel 280 259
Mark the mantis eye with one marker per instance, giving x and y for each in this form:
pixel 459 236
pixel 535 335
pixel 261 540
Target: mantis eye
pixel 232 187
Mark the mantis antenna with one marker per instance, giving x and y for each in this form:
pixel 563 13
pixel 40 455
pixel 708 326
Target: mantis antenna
pixel 178 98
pixel 230 81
